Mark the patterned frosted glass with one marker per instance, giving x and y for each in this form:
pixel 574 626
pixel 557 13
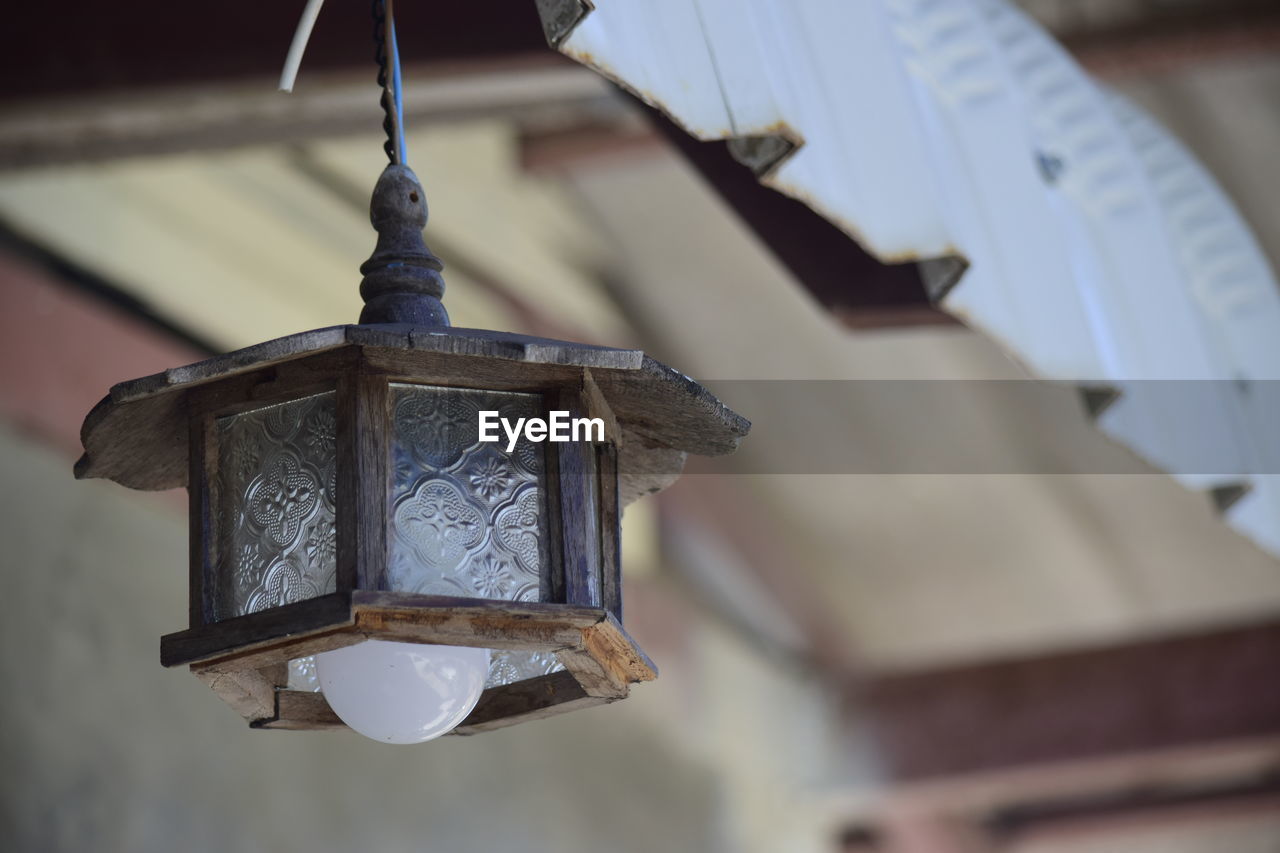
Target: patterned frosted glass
pixel 508 667
pixel 468 518
pixel 505 667
pixel 274 506
pixel 303 675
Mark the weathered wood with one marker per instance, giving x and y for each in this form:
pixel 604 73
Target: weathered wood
pixel 443 620
pixel 452 341
pixel 610 531
pixel 493 344
pixel 256 357
pixel 346 519
pixel 266 628
pixel 265 655
pixel 363 422
pixel 276 673
pixel 596 677
pixel 608 661
pixel 670 409
pixel 406 365
pixel 138 436
pixel 499 707
pixel 372 426
pixel 579 617
pixel 200 538
pixel 267 386
pixel 551 524
pixel 525 701
pixel 579 513
pixel 645 469
pixel 608 641
pixel 245 659
pixel 300 710
pixel 532 716
pixel 471 622
pixel 249 693
pixel 598 407
pixel 141 446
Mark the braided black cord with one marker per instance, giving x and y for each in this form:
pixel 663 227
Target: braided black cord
pixel 380 57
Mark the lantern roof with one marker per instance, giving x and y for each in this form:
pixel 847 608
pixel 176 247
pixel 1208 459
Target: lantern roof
pixel 137 435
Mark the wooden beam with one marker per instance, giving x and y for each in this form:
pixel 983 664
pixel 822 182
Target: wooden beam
pixel 1149 803
pixel 536 92
pixel 594 145
pixel 1127 698
pixel 100 47
pixel 1176 35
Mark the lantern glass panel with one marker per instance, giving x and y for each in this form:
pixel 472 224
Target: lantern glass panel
pixel 302 675
pixel 466 518
pixel 273 506
pixel 469 518
pixel 505 667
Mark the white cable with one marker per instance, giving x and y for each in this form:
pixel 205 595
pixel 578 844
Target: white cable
pixel 300 38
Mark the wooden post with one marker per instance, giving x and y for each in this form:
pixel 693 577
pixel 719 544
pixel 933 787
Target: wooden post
pixel 579 511
pixel 610 532
pixel 199 527
pixel 363 423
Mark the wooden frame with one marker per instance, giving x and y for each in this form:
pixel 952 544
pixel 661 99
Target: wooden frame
pixel 160 431
pixel 245 659
pixel 585 572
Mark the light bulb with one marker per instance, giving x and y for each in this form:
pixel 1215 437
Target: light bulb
pixel 402 692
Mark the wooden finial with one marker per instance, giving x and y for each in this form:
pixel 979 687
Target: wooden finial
pixel 402 281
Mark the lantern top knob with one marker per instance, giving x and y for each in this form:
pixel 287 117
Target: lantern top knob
pixel 402 278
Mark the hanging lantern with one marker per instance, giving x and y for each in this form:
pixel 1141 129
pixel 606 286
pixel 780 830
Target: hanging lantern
pixel 401 526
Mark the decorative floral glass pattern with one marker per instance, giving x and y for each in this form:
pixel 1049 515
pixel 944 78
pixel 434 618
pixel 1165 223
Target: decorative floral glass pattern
pixel 468 519
pixel 509 667
pixel 273 506
pixel 505 667
pixel 303 675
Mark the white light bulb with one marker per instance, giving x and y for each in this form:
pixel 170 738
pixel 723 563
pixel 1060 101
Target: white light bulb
pixel 402 692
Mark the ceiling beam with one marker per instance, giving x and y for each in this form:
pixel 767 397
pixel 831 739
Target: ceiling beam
pixel 84 46
pixel 1157 38
pixel 1127 698
pixel 537 93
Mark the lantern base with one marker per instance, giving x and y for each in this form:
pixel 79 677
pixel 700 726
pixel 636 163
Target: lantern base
pixel 245 659
pixel 499 707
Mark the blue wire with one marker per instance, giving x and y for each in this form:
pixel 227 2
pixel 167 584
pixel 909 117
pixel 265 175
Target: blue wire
pixel 395 87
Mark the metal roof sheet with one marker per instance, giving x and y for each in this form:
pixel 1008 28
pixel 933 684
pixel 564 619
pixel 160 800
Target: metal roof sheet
pixel 1098 249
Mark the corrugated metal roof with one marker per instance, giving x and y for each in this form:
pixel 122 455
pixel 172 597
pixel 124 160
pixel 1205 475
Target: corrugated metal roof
pixel 1098 249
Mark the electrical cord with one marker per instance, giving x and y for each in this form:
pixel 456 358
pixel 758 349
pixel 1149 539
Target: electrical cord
pixel 386 55
pixel 387 52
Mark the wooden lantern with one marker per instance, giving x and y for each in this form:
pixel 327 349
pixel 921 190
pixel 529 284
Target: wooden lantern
pixel 339 492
